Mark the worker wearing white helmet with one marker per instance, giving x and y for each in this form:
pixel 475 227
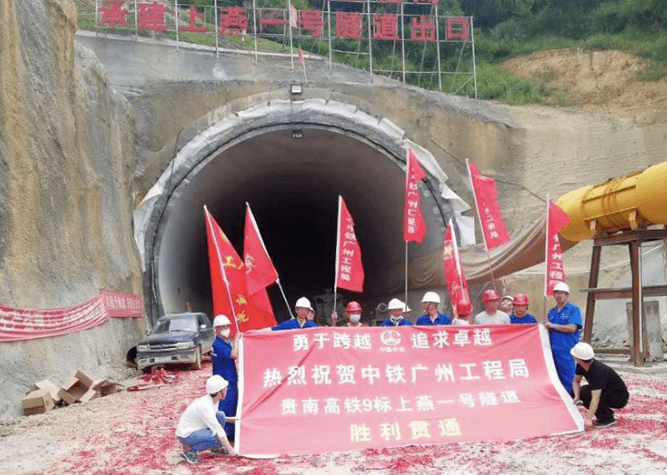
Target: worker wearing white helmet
pixel 396 309
pixel 430 304
pixel 605 389
pixel 200 426
pixel 223 359
pixel 302 307
pixel 564 323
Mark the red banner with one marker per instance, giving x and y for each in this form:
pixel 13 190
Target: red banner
pixel 454 275
pixel 555 270
pixel 259 270
pixel 486 200
pixel 228 284
pixel 349 269
pixel 18 324
pixel 337 389
pixel 414 227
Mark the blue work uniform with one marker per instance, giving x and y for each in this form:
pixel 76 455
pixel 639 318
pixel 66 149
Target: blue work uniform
pixel 225 366
pixel 527 318
pixel 562 343
pixel 401 323
pixel 293 324
pixel 442 319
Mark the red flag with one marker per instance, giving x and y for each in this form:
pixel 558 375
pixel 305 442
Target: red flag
pixel 302 60
pixel 228 284
pixel 349 270
pixel 293 17
pixel 414 227
pixel 554 271
pixel 259 270
pixel 456 279
pixel 486 199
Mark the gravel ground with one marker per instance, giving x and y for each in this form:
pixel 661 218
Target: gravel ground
pixel 132 433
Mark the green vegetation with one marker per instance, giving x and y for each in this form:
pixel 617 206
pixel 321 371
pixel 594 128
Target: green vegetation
pixel 503 29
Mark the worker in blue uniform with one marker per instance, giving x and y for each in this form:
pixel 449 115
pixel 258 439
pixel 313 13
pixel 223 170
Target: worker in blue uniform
pixel 564 323
pixel 223 359
pixel 396 308
pixel 302 308
pixel 520 307
pixel 430 304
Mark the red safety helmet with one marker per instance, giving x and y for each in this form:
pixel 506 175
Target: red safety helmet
pixel 353 307
pixel 463 308
pixel 489 295
pixel 521 299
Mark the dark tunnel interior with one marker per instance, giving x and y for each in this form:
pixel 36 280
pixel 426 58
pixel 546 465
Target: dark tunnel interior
pixel 292 185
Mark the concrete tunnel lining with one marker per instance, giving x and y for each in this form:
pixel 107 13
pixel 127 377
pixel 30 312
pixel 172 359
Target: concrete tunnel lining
pixel 292 186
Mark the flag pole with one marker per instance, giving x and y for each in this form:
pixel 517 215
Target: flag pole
pixel 340 205
pixel 291 47
pixel 222 269
pixel 406 274
pixel 261 240
pixel 546 259
pixel 479 216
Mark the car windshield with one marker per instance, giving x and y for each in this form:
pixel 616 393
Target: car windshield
pixel 176 324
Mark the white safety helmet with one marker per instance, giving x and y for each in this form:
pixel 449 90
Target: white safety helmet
pixel 215 384
pixel 395 304
pixel 562 287
pixel 431 297
pixel 303 302
pixel 583 351
pixel 221 321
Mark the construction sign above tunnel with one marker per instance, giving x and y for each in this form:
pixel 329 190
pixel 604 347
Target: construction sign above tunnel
pixel 374 387
pixel 357 33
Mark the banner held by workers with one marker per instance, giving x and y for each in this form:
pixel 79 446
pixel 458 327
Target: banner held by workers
pixel 337 389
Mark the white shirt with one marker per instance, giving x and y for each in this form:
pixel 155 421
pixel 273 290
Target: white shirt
pixel 498 318
pixel 200 414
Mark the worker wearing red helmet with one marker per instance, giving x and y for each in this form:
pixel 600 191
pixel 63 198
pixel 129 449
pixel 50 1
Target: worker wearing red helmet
pixel 491 315
pixel 521 314
pixel 352 312
pixel 463 311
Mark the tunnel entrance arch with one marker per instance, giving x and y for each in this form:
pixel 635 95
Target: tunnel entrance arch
pixel 289 161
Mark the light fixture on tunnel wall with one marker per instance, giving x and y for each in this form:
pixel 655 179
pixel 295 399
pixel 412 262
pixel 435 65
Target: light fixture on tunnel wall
pixel 297 134
pixel 296 89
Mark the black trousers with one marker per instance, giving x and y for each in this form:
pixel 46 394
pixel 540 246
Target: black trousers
pixel 608 400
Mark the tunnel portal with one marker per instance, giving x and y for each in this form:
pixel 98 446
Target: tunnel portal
pixel 291 176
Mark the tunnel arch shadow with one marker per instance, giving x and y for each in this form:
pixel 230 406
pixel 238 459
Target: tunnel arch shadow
pixel 292 185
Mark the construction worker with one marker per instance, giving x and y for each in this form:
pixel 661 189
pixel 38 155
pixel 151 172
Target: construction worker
pixel 302 308
pixel 491 315
pixel 463 311
pixel 430 303
pixel 521 314
pixel 200 426
pixel 396 309
pixel 506 304
pixel 223 359
pixel 564 323
pixel 605 389
pixel 353 314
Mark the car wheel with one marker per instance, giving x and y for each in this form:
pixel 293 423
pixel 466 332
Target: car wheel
pixel 197 363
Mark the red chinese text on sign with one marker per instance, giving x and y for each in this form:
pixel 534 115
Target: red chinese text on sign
pixel 234 19
pixel 311 20
pixel 555 270
pixel 348 25
pixel 151 16
pixel 357 388
pixel 385 27
pixel 457 29
pixel 423 29
pixel 113 13
pixel 192 24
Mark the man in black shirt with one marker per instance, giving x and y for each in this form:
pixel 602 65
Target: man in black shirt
pixel 605 388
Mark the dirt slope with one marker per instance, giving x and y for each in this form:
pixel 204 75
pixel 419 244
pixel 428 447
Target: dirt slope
pixel 595 81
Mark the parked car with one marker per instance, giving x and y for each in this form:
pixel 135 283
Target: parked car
pixel 180 338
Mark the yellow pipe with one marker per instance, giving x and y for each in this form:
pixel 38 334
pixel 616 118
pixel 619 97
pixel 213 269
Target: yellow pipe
pixel 633 201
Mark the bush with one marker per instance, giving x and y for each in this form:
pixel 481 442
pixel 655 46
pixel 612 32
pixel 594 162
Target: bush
pixel 494 83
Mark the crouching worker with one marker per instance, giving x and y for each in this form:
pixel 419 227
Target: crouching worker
pixel 605 389
pixel 200 427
